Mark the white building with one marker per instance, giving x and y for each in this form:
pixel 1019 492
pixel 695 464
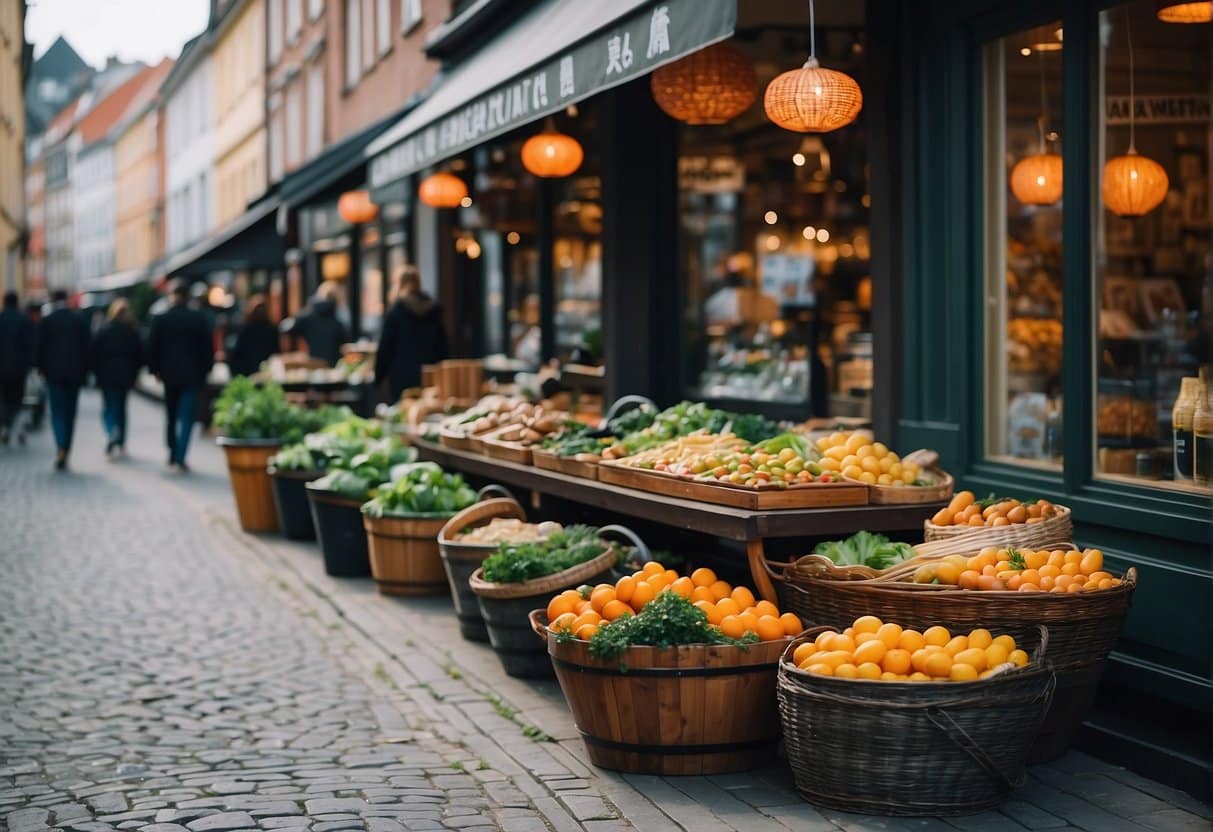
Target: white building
pixel 189 148
pixel 93 195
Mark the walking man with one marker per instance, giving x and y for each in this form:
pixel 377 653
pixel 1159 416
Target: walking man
pixel 179 353
pixel 62 348
pixel 16 357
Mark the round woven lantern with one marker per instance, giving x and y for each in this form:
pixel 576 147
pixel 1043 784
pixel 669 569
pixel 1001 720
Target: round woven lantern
pixel 813 99
pixel 1178 11
pixel 1133 185
pixel 442 190
pixel 710 86
pixel 1036 179
pixel 356 207
pixel 551 154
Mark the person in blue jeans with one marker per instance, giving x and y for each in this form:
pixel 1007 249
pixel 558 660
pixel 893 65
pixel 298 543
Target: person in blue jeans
pixel 180 353
pixel 62 349
pixel 116 356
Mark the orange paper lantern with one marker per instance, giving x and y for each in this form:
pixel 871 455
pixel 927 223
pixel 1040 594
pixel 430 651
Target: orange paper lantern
pixel 356 207
pixel 813 99
pixel 551 154
pixel 1178 11
pixel 1036 179
pixel 442 190
pixel 710 86
pixel 1133 185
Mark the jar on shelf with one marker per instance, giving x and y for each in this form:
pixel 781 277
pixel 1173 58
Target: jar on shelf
pixel 1126 410
pixel 1181 426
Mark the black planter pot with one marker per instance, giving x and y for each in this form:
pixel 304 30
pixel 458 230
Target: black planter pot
pixel 290 496
pixel 508 621
pixel 339 529
pixel 467 609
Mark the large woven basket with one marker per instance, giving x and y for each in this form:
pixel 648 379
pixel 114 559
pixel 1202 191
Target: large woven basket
pixel 911 748
pixel 548 584
pixel 1019 535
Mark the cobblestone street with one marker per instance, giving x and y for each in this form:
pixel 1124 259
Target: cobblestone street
pixel 160 671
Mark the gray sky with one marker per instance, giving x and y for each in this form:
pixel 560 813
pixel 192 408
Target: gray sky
pixel 146 30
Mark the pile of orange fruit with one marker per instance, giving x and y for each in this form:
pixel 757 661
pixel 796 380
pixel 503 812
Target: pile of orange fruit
pixel 964 510
pixel 1018 570
pixel 734 610
pixel 884 652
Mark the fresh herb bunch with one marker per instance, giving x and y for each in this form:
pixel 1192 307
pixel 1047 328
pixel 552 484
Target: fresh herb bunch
pixel 420 488
pixel 575 438
pixel 666 621
pixel 865 549
pixel 516 562
pixel 630 421
pixel 687 417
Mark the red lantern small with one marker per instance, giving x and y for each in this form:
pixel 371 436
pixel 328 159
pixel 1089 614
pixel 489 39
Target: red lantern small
pixel 356 207
pixel 442 190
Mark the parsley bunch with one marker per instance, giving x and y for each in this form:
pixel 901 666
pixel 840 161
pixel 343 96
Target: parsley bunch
pixel 666 621
pixel 516 562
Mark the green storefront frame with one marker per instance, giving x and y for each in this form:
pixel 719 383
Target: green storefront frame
pixel 1154 710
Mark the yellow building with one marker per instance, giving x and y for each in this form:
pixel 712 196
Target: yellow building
pixel 12 143
pixel 138 167
pixel 239 107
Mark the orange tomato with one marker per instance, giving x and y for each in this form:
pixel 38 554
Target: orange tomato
pixel 624 588
pixel 615 609
pixel 791 624
pixel 769 628
pixel 713 614
pixel 703 577
pixel 721 589
pixel 743 597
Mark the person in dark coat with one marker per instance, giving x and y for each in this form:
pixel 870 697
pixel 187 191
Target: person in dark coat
pixel 62 349
pixel 257 341
pixel 16 358
pixel 413 335
pixel 180 353
pixel 320 327
pixel 116 356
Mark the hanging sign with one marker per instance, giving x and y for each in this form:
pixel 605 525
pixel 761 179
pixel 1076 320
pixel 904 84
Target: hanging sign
pixel 710 174
pixel 1158 109
pixel 633 46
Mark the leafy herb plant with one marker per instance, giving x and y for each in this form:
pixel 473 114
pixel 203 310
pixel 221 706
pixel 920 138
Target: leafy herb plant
pixel 666 621
pixel 515 562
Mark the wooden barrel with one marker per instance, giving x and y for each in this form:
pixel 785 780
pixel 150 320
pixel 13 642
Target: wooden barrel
pixel 339 529
pixel 290 499
pixel 404 555
pixel 693 709
pixel 251 486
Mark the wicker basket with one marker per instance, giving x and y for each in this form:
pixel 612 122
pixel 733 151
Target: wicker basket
pixel 912 748
pixel 548 584
pixel 1020 535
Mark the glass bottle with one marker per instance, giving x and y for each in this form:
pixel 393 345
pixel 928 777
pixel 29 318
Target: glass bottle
pixel 1181 426
pixel 1202 430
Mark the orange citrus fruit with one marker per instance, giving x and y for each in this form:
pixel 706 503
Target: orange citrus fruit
pixel 869 670
pixel 749 620
pixel 841 641
pixel 703 593
pixel 652 568
pixel 890 634
pixel 938 665
pixel 614 609
pixel 1019 657
pixel 802 652
pixel 564 621
pixel 683 587
pixel 980 638
pixel 589 617
pixel 962 672
pixel 586 631
pixel 956 645
pixel 732 626
pixel 937 635
pixel 709 609
pixel 769 628
pixel 897 661
pixel 766 608
pixel 728 606
pixel 558 606
pixel 643 594
pixel 911 640
pixel 847 671
pixel 703 577
pixel 791 624
pixel 743 597
pixel 975 657
pixel 721 589
pixel 867 624
pixel 821 669
pixel 871 651
pixel 601 596
pixel 624 588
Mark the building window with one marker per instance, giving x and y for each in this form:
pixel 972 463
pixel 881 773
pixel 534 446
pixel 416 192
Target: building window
pixel 315 109
pixel 368 34
pixel 294 20
pixel 315 8
pixel 293 126
pixel 383 25
pixel 353 38
pixel 276 163
pixel 410 14
pixel 275 34
pixel 1024 246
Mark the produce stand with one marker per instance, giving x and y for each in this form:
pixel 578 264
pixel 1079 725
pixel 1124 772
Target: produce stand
pixel 752 526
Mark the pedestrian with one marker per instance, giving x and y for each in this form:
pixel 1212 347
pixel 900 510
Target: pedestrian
pixel 413 335
pixel 116 356
pixel 319 326
pixel 180 354
pixel 62 350
pixel 257 341
pixel 16 358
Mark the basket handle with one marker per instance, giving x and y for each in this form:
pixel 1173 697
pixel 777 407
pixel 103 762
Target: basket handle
pixel 508 508
pixel 944 722
pixel 539 623
pixel 623 403
pixel 494 488
pixel 631 537
pixel 777 570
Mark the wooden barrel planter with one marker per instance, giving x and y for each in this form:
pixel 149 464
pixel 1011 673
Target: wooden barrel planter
pixel 404 554
pixel 290 499
pixel 338 521
pixel 246 468
pixel 460 560
pixel 694 709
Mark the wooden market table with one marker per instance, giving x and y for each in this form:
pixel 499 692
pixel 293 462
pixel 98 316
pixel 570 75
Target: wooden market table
pixel 750 526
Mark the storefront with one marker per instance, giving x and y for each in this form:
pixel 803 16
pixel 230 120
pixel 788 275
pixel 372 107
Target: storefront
pixel 904 267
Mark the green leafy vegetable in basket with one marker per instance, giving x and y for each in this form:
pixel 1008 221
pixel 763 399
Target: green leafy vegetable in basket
pixel 666 621
pixel 420 488
pixel 365 461
pixel 687 417
pixel 343 482
pixel 297 457
pixel 865 549
pixel 515 562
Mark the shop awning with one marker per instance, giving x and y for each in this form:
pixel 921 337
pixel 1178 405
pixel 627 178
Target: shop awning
pixel 557 54
pixel 330 167
pixel 250 241
pixel 112 282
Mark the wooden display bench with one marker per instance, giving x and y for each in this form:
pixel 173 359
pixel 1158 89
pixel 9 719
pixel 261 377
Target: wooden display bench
pixel 751 526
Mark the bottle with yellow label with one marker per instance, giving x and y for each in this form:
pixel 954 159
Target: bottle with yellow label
pixel 1181 426
pixel 1202 431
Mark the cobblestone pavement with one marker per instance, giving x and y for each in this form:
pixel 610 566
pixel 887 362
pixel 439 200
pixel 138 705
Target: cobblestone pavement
pixel 162 672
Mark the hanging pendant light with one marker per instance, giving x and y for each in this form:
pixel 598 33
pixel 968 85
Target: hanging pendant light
pixel 813 99
pixel 356 207
pixel 1036 179
pixel 1182 11
pixel 442 190
pixel 710 86
pixel 1133 185
pixel 551 154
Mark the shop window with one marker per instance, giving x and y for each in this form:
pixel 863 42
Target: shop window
pixel 1152 242
pixel 371 284
pixel 353 38
pixel 383 25
pixel 410 14
pixel 1023 246
pixel 775 243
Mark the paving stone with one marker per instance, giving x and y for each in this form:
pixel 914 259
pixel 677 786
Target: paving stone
pixel 222 822
pixel 162 827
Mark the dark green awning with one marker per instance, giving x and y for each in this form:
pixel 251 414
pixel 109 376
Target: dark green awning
pixel 250 241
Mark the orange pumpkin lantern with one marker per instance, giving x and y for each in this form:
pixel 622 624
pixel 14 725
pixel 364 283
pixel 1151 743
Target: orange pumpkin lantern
pixel 442 190
pixel 551 154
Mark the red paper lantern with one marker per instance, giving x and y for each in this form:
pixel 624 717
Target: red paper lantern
pixel 551 154
pixel 442 190
pixel 356 207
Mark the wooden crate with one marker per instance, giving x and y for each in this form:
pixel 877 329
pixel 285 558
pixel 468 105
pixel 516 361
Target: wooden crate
pixel 582 465
pixel 807 495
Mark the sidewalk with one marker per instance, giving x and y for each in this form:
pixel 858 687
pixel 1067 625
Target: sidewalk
pixel 513 741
